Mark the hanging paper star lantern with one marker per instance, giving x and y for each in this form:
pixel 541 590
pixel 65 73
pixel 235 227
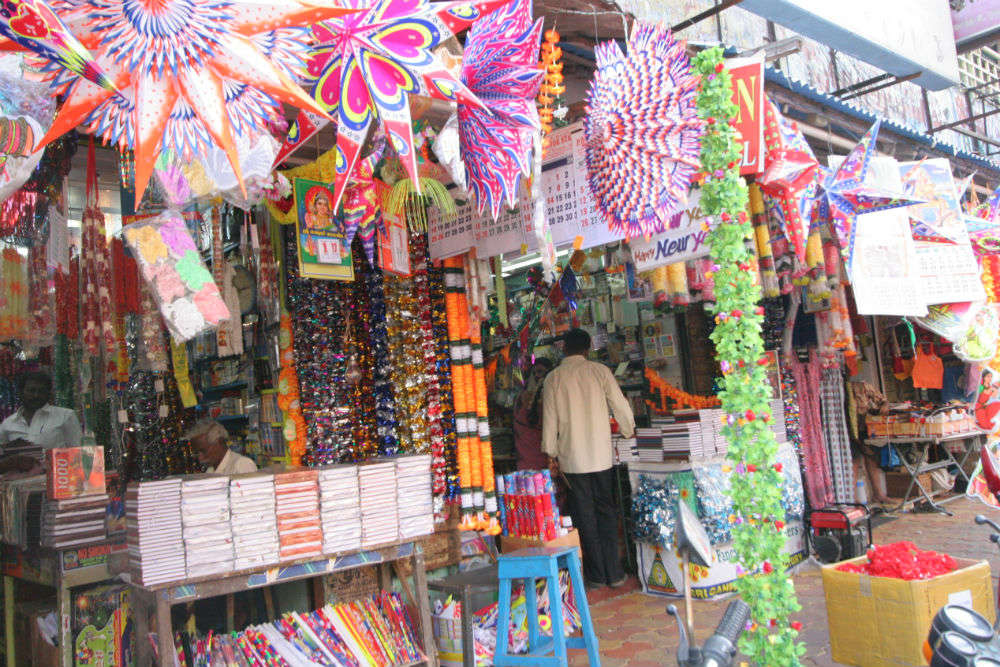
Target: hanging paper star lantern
pixel 842 194
pixel 500 67
pixel 365 65
pixel 190 73
pixel 31 25
pixel 643 132
pixel 361 202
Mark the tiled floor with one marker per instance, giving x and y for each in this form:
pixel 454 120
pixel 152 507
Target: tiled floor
pixel 635 631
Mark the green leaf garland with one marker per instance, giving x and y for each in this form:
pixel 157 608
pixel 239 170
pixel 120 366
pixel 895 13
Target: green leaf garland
pixel 758 535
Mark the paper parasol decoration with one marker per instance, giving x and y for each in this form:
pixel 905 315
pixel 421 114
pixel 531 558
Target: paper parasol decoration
pixel 364 66
pixel 500 66
pixel 642 129
pixel 842 194
pixel 790 175
pixel 31 25
pixel 361 202
pixel 190 73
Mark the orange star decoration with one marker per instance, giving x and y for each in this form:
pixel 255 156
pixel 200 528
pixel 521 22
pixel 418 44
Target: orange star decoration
pixel 188 73
pixel 552 87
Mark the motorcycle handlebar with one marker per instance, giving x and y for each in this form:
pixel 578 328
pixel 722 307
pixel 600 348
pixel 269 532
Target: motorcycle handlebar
pixel 734 621
pixel 982 520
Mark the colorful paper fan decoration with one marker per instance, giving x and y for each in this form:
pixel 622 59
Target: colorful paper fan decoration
pixel 190 73
pixel 31 25
pixel 643 132
pixel 842 194
pixel 361 202
pixel 789 180
pixel 500 67
pixel 364 66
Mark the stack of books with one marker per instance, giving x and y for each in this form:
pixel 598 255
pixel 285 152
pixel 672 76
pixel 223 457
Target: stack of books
pixel 74 522
pixel 379 514
pixel 208 536
pixel 413 496
pixel 626 450
pixel 255 526
pixel 649 444
pixel 340 508
pixel 778 420
pixel 300 534
pixel 154 534
pixel 682 438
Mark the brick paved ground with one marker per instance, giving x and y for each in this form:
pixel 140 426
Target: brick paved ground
pixel 635 630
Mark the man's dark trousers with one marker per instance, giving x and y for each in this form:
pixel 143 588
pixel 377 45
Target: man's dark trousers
pixel 592 505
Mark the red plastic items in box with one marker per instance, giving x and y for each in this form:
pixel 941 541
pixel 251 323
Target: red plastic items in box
pixel 902 560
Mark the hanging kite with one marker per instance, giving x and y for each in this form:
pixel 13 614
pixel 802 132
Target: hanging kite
pixel 500 66
pixel 643 132
pixel 361 202
pixel 365 65
pixel 842 194
pixel 31 25
pixel 189 74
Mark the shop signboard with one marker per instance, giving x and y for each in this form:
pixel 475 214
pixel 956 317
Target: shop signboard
pixel 748 95
pixel 975 23
pixel 901 37
pixel 683 240
pixel 322 250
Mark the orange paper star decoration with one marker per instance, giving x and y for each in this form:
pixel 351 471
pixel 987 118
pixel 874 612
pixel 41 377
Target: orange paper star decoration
pixel 189 73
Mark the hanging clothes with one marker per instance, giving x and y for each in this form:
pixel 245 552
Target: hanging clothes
pixel 838 442
pixel 928 370
pixel 819 482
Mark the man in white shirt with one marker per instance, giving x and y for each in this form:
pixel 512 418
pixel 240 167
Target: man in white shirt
pixel 576 429
pixel 208 439
pixel 37 424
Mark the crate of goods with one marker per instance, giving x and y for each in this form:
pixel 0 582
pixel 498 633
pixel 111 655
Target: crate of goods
pixel 878 426
pixel 878 621
pixel 896 483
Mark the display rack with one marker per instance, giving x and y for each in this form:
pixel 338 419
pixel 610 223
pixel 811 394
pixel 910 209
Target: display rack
pixel 922 446
pixel 156 601
pixel 62 570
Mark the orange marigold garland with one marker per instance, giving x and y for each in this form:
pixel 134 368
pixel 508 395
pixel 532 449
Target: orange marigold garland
pixel 668 392
pixel 552 86
pixel 294 425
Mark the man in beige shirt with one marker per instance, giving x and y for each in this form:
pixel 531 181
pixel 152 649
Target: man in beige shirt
pixel 209 440
pixel 576 430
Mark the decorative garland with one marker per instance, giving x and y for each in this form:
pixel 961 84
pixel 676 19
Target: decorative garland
pixel 552 87
pixel 442 361
pixel 668 392
pixel 758 535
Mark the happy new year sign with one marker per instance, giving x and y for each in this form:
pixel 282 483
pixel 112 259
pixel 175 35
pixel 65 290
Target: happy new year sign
pixel 684 240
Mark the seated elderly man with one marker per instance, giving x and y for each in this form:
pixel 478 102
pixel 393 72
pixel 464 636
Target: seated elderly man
pixel 208 438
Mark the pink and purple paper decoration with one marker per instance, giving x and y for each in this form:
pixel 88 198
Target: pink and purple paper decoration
pixel 643 132
pixel 842 194
pixel 500 66
pixel 364 67
pixel 33 26
pixel 190 74
pixel 361 207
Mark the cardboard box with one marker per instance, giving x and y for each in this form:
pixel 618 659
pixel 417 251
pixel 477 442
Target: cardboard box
pixel 510 543
pixel 882 622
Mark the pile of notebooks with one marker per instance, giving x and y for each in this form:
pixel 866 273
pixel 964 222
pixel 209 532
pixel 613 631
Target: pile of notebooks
pixel 300 534
pixel 626 449
pixel 340 508
pixel 208 536
pixel 413 494
pixel 74 522
pixel 255 526
pixel 379 514
pixel 154 533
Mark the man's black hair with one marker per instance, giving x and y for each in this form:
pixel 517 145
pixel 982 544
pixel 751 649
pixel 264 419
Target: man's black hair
pixel 41 377
pixel 576 341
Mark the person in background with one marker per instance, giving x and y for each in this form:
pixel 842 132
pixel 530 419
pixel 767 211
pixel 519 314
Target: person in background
pixel 37 423
pixel 576 430
pixel 528 419
pixel 208 439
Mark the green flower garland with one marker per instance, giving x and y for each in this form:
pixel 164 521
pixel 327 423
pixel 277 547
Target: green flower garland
pixel 758 537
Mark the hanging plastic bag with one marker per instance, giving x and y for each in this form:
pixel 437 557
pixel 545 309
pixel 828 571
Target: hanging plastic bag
pixel 168 258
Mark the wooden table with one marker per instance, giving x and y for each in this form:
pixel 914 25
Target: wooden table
pixel 156 601
pixel 62 570
pixel 922 445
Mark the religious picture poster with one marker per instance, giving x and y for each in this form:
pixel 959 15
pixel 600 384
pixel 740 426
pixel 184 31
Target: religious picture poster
pixel 394 245
pixel 884 270
pixel 322 250
pixel 947 266
pixel 986 413
pixel 748 95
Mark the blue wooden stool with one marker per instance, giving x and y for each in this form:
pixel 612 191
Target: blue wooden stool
pixel 531 564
